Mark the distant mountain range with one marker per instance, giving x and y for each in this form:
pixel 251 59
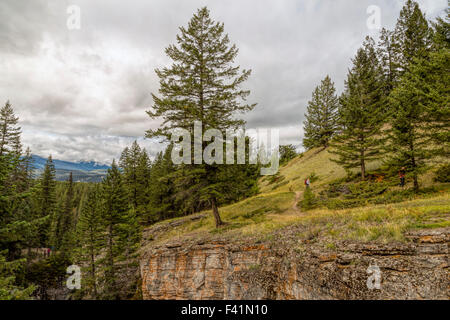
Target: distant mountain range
pixel 82 171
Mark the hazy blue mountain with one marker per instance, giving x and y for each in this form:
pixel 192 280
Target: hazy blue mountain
pixel 81 171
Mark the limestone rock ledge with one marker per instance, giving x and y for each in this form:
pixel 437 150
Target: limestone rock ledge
pixel 288 268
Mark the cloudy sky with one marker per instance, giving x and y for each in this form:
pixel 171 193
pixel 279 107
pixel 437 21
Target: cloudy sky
pixel 82 94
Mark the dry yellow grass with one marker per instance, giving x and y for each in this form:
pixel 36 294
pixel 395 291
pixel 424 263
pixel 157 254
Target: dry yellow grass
pixel 273 209
pixel 261 215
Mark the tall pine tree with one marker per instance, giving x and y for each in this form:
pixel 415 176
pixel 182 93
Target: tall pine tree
pixel 9 131
pixel 47 201
pixel 66 220
pixel 161 203
pixel 201 85
pixel 420 100
pixel 389 59
pixel 17 223
pixel 115 207
pixel 90 239
pixel 322 117
pixel 411 37
pixel 361 112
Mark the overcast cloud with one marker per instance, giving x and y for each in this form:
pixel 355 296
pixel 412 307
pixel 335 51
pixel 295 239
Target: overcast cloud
pixel 82 94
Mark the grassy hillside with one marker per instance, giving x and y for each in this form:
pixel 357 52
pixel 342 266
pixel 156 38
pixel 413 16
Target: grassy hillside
pixel 383 217
pixel 292 175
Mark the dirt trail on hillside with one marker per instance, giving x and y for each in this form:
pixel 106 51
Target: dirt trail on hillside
pixel 298 194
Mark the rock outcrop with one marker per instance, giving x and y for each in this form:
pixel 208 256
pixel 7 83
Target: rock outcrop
pixel 289 268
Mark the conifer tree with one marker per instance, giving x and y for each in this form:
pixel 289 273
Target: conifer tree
pixel 435 86
pixel 201 85
pixel 420 100
pixel 90 235
pixel 10 147
pixel 411 37
pixel 361 112
pixel 135 164
pixel 26 170
pixel 162 188
pixel 66 220
pixel 129 237
pixel 9 131
pixel 245 178
pixel 9 290
pixel 389 58
pixel 129 162
pixel 441 34
pixel 322 117
pixel 143 173
pixel 47 200
pixel 17 223
pixel 409 139
pixel 115 207
pixel 287 153
pixel 421 124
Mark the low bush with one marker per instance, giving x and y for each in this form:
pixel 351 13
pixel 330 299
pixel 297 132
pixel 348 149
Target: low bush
pixel 309 201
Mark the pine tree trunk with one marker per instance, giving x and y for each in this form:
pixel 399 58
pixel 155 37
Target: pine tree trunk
pixel 414 168
pixel 416 180
pixel 111 275
pixel 216 212
pixel 3 143
pixel 94 280
pixel 363 167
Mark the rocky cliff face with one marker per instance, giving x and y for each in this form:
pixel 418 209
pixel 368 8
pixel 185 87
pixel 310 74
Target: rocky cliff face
pixel 288 268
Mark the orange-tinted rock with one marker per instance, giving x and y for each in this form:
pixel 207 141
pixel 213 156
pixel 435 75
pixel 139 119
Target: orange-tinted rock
pixel 213 269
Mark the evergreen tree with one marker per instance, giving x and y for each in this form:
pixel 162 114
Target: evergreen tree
pixel 129 238
pixel 309 201
pixel 17 223
pixel 434 87
pixel 47 199
pixel 115 207
pixel 10 149
pixel 66 220
pixel 201 85
pixel 361 112
pixel 409 141
pixel 90 235
pixel 322 116
pixel 287 153
pixel 441 34
pixel 389 58
pixel 411 37
pixel 245 178
pixel 129 162
pixel 9 290
pixel 161 203
pixel 143 174
pixel 26 168
pixel 420 126
pixel 9 131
